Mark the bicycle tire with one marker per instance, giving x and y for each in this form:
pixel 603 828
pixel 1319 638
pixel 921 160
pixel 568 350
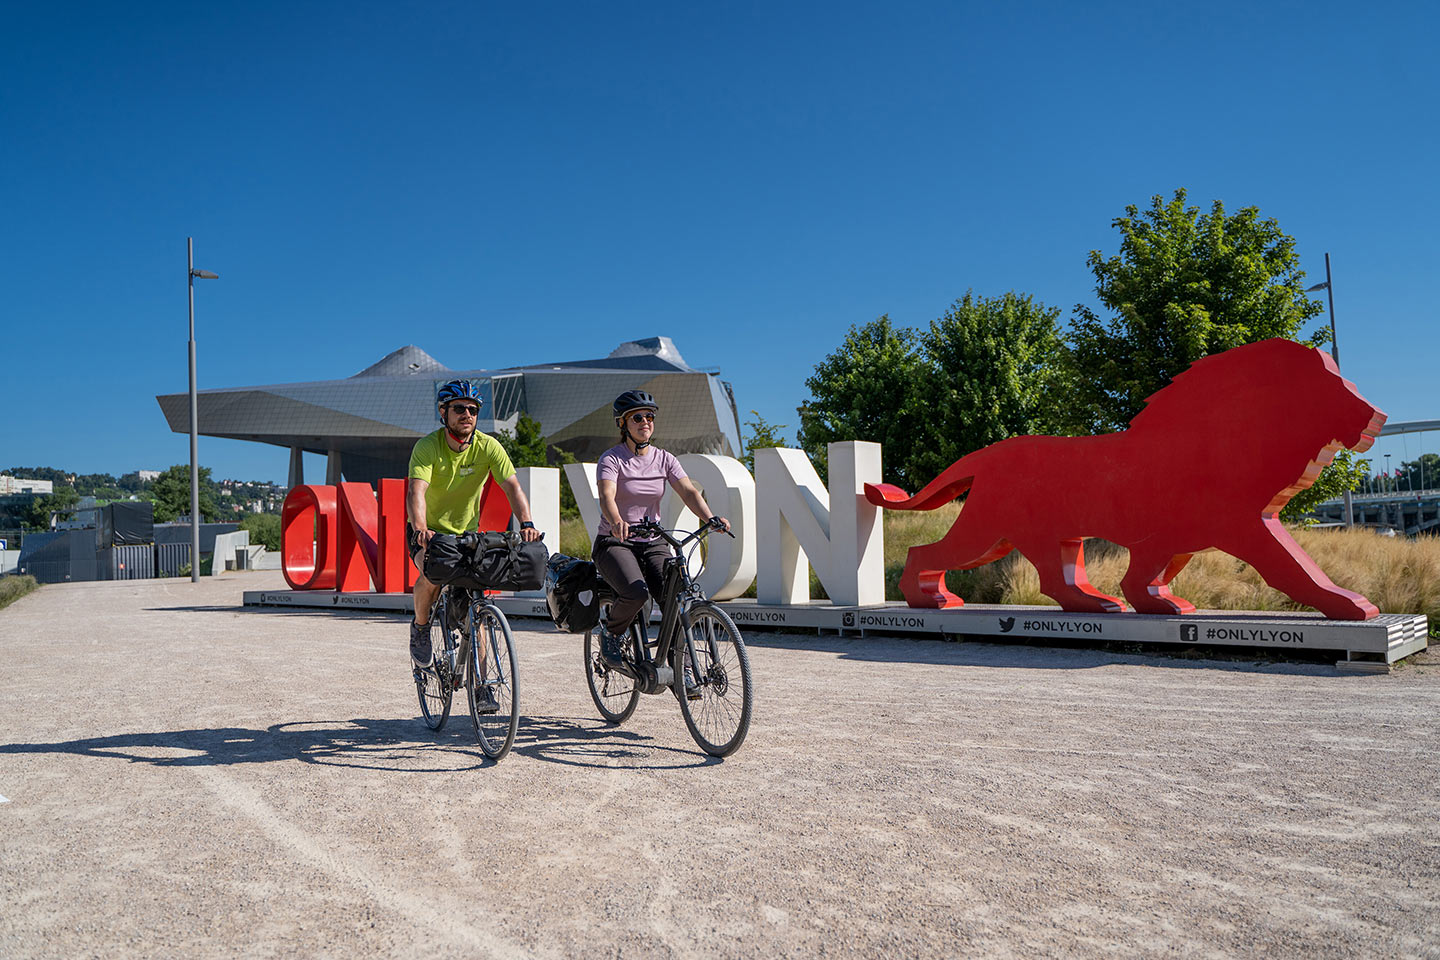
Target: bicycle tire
pixel 720 719
pixel 430 686
pixel 615 694
pixel 490 632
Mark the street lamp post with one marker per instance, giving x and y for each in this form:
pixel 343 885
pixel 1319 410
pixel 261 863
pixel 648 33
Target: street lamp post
pixel 1335 355
pixel 191 275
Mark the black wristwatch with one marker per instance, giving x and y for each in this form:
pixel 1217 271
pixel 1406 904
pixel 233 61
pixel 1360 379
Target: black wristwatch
pixel 527 525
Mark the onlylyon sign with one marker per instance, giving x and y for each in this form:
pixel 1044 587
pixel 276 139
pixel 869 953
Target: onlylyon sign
pixel 1165 489
pixel 351 538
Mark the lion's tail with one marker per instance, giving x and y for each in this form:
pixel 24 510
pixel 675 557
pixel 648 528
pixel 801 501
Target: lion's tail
pixel 953 481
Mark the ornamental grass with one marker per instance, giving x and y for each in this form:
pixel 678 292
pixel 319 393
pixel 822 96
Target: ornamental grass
pixel 1399 575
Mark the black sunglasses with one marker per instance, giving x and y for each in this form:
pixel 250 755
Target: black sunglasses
pixel 465 408
pixel 642 418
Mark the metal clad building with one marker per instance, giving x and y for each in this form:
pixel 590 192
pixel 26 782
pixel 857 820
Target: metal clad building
pixel 367 423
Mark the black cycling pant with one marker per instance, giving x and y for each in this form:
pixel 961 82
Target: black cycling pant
pixel 628 567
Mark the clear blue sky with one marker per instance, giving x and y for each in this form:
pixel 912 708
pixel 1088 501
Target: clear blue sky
pixel 514 183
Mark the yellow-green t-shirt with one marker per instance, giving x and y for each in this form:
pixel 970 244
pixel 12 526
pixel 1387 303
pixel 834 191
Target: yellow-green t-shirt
pixel 452 501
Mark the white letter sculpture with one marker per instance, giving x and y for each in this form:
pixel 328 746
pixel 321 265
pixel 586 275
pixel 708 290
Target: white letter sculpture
pixel 838 532
pixel 730 492
pixel 541 486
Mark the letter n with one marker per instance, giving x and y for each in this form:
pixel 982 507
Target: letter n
pixel 358 544
pixel 837 532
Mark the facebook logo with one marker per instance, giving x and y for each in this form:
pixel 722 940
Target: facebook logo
pixel 1189 633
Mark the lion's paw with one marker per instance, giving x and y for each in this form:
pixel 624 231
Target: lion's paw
pixel 926 589
pixel 1353 607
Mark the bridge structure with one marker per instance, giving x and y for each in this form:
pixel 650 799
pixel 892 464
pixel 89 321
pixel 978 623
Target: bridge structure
pixel 1405 511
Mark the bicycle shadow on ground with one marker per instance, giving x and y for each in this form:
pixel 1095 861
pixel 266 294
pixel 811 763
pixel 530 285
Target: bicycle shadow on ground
pixel 596 744
pixel 1044 654
pixel 376 744
pixel 398 617
pixel 397 745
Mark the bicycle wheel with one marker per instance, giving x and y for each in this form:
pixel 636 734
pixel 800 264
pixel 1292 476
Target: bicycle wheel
pixel 493 670
pixel 432 683
pixel 720 718
pixel 614 693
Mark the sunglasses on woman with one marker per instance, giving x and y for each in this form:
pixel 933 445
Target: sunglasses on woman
pixel 642 418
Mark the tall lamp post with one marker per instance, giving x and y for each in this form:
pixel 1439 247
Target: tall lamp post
pixel 191 275
pixel 1335 355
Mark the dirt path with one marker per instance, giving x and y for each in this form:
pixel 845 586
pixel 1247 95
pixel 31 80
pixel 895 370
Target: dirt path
pixel 185 777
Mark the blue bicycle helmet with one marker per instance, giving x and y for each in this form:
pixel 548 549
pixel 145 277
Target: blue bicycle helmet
pixel 457 390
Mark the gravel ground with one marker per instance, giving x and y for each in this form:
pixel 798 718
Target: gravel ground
pixel 186 777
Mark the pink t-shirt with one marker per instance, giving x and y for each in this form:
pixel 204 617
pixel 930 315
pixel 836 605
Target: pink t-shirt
pixel 639 481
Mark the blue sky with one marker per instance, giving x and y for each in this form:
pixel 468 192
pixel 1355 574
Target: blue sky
pixel 515 183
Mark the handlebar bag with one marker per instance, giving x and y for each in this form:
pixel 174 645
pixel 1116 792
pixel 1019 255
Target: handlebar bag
pixel 486 561
pixel 497 562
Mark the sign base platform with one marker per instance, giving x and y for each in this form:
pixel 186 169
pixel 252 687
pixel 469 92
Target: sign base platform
pixel 1383 640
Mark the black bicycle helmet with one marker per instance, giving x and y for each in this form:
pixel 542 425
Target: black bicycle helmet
pixel 633 400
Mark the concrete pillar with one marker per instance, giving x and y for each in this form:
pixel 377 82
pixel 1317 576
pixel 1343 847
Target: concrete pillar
pixel 332 468
pixel 297 467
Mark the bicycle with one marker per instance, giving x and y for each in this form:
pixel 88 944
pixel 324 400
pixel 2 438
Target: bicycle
pixel 482 660
pixel 698 647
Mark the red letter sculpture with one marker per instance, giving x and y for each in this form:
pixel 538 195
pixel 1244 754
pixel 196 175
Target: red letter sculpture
pixel 307 537
pixel 1208 463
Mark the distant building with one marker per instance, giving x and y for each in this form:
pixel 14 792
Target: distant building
pixel 367 423
pixel 151 474
pixel 9 485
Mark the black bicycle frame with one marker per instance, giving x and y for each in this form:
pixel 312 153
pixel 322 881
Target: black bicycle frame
pixel 675 588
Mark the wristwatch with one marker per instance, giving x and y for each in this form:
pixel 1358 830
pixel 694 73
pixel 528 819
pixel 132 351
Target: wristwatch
pixel 527 525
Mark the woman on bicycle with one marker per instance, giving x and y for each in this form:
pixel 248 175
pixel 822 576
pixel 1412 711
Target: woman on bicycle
pixel 631 478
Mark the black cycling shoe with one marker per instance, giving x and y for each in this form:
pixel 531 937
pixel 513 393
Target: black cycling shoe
pixel 612 648
pixel 420 650
pixel 485 701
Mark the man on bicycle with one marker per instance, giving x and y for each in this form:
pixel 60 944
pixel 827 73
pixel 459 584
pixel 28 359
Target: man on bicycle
pixel 448 471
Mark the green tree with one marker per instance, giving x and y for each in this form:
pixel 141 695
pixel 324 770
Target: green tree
pixel 865 390
pixel 990 372
pixel 1419 474
pixel 526 446
pixel 264 529
pixel 763 433
pixel 171 491
pixel 60 503
pixel 1184 285
pixel 1345 472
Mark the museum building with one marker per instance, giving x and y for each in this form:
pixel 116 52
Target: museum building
pixel 366 424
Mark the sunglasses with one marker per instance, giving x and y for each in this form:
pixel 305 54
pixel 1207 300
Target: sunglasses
pixel 467 409
pixel 642 418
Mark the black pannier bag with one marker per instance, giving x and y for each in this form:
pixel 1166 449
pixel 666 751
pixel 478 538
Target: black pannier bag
pixel 486 561
pixel 570 593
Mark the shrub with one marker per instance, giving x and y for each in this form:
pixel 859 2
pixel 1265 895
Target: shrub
pixel 14 587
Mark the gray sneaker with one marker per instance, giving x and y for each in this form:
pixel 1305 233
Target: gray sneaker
pixel 420 649
pixel 612 648
pixel 692 688
pixel 485 701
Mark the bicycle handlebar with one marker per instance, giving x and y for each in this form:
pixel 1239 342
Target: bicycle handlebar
pixel 650 525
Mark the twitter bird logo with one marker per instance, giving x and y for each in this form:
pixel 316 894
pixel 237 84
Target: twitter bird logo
pixel 1006 624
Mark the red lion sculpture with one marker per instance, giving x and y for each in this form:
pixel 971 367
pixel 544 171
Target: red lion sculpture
pixel 1208 463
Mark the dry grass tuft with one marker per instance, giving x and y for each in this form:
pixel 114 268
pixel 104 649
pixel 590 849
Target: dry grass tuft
pixel 1398 575
pixel 12 588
